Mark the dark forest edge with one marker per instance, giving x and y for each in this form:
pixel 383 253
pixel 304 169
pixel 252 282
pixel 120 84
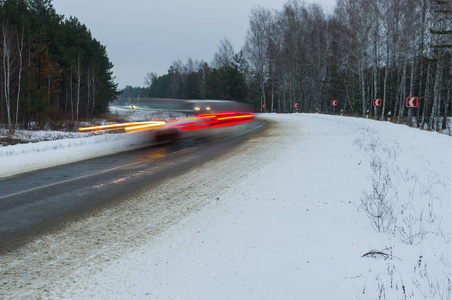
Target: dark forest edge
pixel 53 72
pixel 364 50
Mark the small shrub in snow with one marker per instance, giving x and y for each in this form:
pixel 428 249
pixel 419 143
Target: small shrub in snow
pixel 380 203
pixel 412 229
pixel 398 201
pixel 431 285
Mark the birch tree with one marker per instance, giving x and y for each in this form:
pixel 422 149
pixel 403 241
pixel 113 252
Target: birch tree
pixel 7 61
pixel 224 55
pixel 256 46
pixel 20 49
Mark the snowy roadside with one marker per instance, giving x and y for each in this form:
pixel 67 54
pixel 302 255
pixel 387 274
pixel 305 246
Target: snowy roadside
pixel 283 216
pixel 34 156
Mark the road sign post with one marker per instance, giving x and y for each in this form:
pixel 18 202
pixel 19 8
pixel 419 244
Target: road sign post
pixel 376 103
pixel 410 116
pixel 411 102
pixel 334 103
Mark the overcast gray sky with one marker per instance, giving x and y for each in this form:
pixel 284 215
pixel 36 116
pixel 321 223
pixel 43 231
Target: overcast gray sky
pixel 148 35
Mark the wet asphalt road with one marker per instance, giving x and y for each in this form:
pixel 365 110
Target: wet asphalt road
pixel 38 202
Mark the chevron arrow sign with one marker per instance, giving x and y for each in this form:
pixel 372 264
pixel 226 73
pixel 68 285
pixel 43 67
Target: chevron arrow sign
pixel 412 102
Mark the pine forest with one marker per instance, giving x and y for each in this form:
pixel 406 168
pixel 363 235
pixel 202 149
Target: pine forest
pixel 53 73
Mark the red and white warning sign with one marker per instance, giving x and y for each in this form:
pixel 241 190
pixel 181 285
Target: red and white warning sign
pixel 377 102
pixel 295 105
pixel 334 102
pixel 412 102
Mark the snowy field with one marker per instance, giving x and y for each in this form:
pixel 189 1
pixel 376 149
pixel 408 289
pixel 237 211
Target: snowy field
pixel 315 207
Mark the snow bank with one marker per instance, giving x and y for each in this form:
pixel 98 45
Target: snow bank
pixel 33 156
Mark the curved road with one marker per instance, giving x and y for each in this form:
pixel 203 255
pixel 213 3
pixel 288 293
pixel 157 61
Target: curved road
pixel 41 201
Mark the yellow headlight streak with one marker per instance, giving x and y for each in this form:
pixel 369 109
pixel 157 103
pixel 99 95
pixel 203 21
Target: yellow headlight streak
pixel 155 125
pixel 127 127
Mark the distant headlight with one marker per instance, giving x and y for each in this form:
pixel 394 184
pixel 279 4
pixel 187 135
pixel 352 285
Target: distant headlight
pixel 197 108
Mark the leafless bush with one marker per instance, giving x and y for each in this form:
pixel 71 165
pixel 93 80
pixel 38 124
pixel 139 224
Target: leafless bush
pixel 414 222
pixel 389 203
pixel 392 151
pixel 432 286
pixel 426 190
pixel 412 229
pixel 380 202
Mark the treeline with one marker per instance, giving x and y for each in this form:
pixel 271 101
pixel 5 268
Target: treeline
pixel 223 80
pixel 364 50
pixel 53 73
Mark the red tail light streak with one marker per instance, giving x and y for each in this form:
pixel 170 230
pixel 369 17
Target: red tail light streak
pixel 212 120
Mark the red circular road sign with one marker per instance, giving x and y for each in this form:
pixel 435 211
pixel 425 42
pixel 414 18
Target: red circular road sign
pixel 412 102
pixel 334 102
pixel 377 102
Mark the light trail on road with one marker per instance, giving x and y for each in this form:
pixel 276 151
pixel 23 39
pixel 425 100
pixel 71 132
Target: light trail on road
pixel 196 122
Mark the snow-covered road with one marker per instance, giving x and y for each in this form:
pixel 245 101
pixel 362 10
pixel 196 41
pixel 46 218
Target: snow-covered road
pixel 279 217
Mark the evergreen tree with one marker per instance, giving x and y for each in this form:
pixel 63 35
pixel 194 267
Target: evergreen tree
pixel 226 83
pixel 52 69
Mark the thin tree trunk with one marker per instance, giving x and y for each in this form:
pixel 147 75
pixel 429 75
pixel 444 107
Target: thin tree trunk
pixel 396 102
pixel 88 81
pixel 385 86
pixel 426 97
pixel 375 89
pixel 363 88
pixel 71 97
pixel 413 67
pixel 418 115
pixel 19 84
pixel 402 95
pixel 435 106
pixel 263 100
pixel 7 74
pixel 94 92
pixel 79 78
